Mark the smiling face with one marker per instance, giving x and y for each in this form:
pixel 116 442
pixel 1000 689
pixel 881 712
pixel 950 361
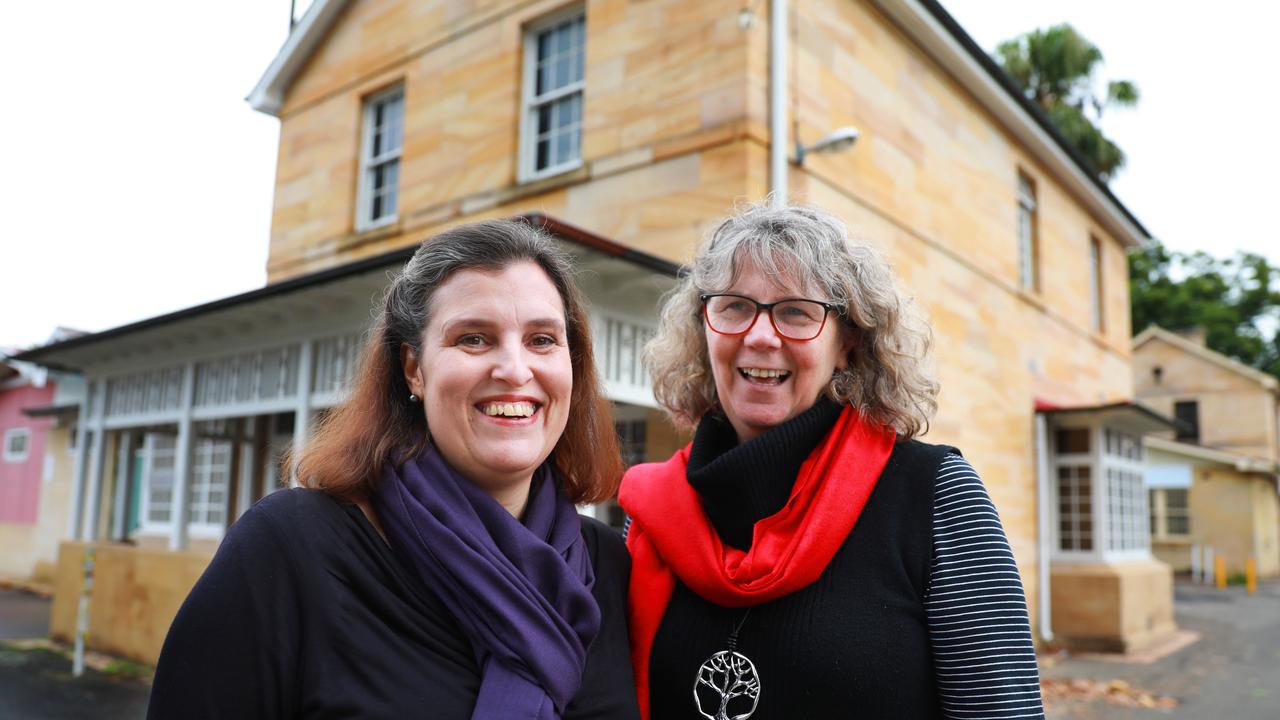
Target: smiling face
pixel 494 375
pixel 763 379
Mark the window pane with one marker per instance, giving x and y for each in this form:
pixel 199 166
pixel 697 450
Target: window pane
pixel 562 71
pixel 543 79
pixel 564 37
pixel 562 147
pixel 379 130
pixel 1072 441
pixel 575 145
pixel 543 155
pixel 1187 413
pixel 544 121
pixel 573 110
pixel 392 189
pixel 544 46
pixel 395 124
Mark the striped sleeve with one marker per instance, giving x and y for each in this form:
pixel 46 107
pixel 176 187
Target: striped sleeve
pixel 975 607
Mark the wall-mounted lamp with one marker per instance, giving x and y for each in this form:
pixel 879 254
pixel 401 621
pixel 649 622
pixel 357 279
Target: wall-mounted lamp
pixel 747 15
pixel 834 141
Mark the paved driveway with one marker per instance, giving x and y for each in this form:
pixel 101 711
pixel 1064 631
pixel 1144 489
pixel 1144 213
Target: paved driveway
pixel 1231 673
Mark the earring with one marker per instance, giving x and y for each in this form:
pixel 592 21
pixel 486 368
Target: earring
pixel 413 398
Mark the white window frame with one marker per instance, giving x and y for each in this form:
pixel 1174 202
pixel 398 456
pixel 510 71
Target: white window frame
pixel 146 458
pixel 1099 461
pixel 1134 490
pixel 1028 235
pixel 147 526
pixel 1060 460
pixel 1097 317
pixel 368 163
pixel 9 436
pixel 1159 499
pixel 527 170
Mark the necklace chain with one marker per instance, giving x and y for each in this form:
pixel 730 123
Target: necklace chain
pixel 732 642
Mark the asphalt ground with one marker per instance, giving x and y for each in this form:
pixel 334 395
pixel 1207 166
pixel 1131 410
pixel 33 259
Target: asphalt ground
pixel 1231 673
pixel 36 682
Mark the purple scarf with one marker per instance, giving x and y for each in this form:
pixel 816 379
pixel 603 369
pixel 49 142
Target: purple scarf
pixel 521 592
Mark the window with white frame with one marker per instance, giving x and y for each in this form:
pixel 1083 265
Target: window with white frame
pixel 551 122
pixel 210 481
pixel 157 460
pixel 1028 240
pixel 17 445
pixel 1102 509
pixel 1075 490
pixel 1097 320
pixel 1170 512
pixel 1126 492
pixel 382 140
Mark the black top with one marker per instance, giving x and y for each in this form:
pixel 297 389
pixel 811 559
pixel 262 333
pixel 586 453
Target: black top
pixel 872 637
pixel 305 612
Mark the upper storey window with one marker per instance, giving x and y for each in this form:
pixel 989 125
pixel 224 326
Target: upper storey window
pixel 380 149
pixel 1028 239
pixel 551 125
pixel 1096 318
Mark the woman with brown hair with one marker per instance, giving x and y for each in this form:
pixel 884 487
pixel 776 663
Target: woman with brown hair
pixel 433 563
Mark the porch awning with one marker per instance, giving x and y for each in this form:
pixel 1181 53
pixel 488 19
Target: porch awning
pixel 1197 454
pixel 1128 415
pixel 65 411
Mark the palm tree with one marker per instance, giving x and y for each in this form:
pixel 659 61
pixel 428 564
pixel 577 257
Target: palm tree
pixel 1055 68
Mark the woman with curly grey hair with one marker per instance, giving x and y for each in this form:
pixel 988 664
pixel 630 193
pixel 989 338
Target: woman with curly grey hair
pixel 805 556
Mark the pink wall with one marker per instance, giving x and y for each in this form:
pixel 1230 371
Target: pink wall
pixel 20 482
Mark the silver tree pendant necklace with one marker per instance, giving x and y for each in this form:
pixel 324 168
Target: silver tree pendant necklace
pixel 727 686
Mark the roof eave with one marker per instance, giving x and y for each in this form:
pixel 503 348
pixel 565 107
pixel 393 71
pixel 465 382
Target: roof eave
pixel 42 355
pixel 1155 332
pixel 268 95
pixel 929 25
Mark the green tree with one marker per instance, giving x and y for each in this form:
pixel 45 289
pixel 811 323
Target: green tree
pixel 1055 68
pixel 1234 300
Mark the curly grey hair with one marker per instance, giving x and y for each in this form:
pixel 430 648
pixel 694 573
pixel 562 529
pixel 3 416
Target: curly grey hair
pixel 801 247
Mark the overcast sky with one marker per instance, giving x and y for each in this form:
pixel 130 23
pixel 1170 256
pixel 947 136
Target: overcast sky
pixel 135 180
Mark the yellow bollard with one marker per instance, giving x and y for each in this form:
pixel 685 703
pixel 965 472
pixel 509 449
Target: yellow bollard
pixel 1220 572
pixel 1251 575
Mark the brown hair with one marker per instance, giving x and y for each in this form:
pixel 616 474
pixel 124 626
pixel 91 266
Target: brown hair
pixel 378 424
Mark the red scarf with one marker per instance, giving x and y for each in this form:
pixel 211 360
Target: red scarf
pixel 671 537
